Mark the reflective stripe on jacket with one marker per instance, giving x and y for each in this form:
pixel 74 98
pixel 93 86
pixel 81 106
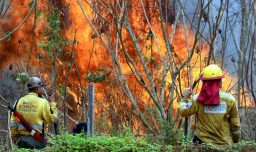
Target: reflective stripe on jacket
pixel 216 124
pixel 36 111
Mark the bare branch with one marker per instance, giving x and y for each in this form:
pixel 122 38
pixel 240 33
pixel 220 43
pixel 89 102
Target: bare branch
pixel 22 22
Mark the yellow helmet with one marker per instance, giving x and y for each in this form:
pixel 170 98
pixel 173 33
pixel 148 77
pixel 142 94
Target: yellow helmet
pixel 212 72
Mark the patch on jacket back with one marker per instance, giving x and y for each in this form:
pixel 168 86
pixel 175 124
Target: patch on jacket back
pixel 221 108
pixel 27 107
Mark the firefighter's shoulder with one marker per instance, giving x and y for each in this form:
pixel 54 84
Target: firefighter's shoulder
pixel 227 96
pixel 42 100
pixel 194 98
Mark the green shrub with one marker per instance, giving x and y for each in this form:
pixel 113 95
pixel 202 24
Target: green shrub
pixel 102 144
pixel 129 143
pixel 243 146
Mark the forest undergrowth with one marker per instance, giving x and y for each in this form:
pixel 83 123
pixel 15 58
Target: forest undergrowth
pixel 129 143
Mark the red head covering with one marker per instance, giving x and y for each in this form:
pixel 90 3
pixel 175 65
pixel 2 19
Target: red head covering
pixel 209 94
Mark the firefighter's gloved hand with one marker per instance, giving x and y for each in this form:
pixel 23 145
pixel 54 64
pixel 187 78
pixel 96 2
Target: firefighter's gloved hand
pixel 187 92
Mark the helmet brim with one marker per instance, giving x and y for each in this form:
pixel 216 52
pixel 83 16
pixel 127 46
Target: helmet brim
pixel 214 78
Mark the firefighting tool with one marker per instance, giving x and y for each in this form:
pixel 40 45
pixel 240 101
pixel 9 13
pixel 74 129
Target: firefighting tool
pixel 186 119
pixel 35 134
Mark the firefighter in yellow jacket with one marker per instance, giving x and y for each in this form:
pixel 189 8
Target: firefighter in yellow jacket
pixel 37 111
pixel 216 111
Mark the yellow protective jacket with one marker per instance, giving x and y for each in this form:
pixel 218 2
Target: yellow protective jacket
pixel 36 111
pixel 219 124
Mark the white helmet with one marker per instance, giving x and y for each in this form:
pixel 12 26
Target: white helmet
pixel 34 82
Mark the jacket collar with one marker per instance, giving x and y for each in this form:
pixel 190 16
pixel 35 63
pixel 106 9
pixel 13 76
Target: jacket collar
pixel 33 93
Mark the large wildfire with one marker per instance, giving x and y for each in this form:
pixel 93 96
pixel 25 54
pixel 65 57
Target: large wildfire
pixel 92 59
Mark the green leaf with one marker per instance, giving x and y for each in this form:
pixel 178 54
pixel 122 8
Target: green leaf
pixel 69 64
pixel 31 3
pixel 8 34
pixel 21 77
pixel 72 41
pixel 39 56
pixel 39 13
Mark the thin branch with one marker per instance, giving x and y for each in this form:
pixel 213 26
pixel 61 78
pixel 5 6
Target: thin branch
pixel 9 130
pixel 66 80
pixel 151 29
pixel 22 22
pixel 8 6
pixel 67 116
pixel 33 36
